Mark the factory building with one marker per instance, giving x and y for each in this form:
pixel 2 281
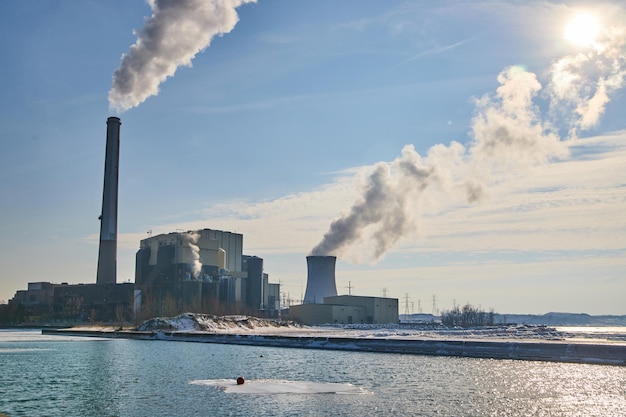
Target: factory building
pixel 182 256
pixel 379 310
pixel 347 309
pixel 202 270
pixel 35 301
pixel 49 302
pixel 93 302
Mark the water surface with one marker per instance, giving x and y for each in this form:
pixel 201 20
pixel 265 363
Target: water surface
pixel 69 376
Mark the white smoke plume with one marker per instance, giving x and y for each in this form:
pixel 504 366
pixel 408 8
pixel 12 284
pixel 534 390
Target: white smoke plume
pixel 580 86
pixel 174 34
pixel 508 136
pixel 191 239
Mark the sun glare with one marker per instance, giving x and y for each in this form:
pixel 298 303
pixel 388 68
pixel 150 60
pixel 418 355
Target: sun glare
pixel 583 29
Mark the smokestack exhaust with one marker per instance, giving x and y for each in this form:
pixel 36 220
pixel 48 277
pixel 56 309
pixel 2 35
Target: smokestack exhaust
pixel 320 282
pixel 107 255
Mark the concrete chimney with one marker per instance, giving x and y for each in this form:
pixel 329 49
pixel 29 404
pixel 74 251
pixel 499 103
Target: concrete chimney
pixel 107 256
pixel 320 282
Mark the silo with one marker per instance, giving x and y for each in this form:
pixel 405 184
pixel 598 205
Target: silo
pixel 320 281
pixel 107 255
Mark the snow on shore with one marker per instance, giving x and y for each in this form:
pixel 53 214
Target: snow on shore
pixel 202 323
pixel 189 322
pixel 520 342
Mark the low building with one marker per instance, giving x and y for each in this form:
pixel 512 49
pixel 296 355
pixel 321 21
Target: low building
pixel 36 301
pixel 93 302
pixel 347 309
pixel 379 310
pixel 46 302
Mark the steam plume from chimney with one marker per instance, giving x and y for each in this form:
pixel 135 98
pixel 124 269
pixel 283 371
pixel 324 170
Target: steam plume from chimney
pixel 508 136
pixel 191 239
pixel 176 32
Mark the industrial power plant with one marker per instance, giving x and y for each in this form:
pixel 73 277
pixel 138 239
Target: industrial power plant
pixel 202 270
pixel 322 305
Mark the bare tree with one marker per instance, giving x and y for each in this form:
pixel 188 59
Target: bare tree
pixel 467 316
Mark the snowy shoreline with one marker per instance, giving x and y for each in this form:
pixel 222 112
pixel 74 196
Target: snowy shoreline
pixel 553 351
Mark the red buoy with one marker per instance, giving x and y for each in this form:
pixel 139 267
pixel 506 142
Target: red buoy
pixel 240 380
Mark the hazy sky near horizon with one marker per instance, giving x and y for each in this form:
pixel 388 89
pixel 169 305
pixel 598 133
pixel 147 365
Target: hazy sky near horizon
pixel 464 150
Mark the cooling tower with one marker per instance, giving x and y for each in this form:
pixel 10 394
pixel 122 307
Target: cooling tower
pixel 320 282
pixel 107 255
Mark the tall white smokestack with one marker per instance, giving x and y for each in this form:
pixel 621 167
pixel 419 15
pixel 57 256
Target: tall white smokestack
pixel 320 282
pixel 107 256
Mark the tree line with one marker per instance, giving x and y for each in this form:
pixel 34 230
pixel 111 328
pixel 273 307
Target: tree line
pixel 467 316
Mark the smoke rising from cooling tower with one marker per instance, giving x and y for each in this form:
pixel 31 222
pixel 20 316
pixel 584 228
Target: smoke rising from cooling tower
pixel 175 33
pixel 508 136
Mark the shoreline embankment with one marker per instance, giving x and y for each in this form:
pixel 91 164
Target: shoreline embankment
pixel 551 351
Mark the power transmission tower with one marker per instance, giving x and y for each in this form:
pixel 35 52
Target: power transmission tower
pixel 349 287
pixel 434 305
pixel 419 306
pixel 406 304
pixel 384 292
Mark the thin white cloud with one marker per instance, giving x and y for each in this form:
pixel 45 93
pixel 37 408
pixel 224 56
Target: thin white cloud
pixel 437 50
pixel 576 204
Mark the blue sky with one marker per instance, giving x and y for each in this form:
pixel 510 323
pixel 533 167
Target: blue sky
pixel 281 124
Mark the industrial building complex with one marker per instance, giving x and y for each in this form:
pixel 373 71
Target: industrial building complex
pixel 174 272
pixel 204 270
pixel 197 270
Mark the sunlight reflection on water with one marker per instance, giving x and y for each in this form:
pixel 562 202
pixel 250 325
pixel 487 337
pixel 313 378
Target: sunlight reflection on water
pixel 140 378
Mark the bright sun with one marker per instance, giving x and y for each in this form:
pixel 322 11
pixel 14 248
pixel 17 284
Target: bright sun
pixel 583 29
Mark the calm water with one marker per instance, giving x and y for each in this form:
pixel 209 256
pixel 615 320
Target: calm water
pixel 60 376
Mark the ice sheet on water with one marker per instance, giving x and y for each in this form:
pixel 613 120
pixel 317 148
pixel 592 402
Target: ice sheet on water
pixel 277 386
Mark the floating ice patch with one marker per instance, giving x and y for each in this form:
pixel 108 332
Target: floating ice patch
pixel 274 386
